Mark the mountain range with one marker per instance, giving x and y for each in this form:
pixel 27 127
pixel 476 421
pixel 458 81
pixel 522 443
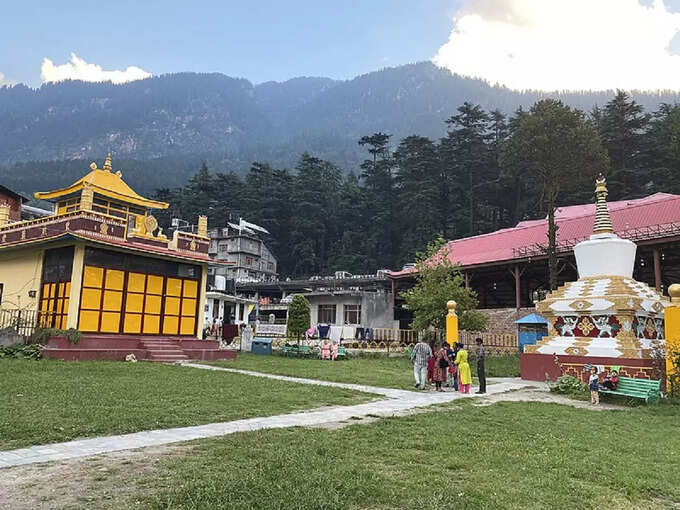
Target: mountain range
pixel 161 128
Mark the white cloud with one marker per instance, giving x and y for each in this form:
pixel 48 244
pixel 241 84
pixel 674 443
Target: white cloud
pixel 565 44
pixel 3 81
pixel 78 69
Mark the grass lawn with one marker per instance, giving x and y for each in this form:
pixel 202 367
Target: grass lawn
pixel 507 455
pixel 52 401
pixel 396 372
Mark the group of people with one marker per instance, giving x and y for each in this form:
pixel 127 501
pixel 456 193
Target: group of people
pixel 611 382
pixel 444 364
pixel 329 350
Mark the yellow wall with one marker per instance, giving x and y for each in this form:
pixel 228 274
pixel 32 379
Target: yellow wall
pixel 21 272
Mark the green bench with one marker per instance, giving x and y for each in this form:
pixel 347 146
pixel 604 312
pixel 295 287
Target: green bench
pixel 645 389
pixel 294 350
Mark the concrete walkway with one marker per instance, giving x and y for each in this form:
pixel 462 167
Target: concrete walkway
pixel 396 401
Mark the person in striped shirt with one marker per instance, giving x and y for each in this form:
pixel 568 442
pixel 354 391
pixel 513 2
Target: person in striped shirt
pixel 419 356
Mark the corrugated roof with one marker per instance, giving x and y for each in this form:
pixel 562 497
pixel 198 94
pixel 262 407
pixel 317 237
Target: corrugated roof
pixel 575 222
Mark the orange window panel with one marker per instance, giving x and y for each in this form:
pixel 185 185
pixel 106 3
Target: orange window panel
pixel 43 305
pixel 171 306
pixel 134 302
pixel 170 325
pixel 190 288
pixel 187 326
pixel 50 290
pixel 110 322
pixel 113 300
pixel 89 321
pixel 189 307
pixel 173 287
pixel 152 324
pixel 154 284
pixel 93 276
pixel 114 279
pixel 152 304
pixel 91 299
pixel 136 282
pixel 63 322
pixel 66 302
pixel 67 290
pixel 133 323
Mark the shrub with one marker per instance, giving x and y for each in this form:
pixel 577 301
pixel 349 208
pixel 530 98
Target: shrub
pixel 42 335
pixel 570 386
pixel 22 351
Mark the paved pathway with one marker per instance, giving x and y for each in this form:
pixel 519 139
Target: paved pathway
pixel 397 401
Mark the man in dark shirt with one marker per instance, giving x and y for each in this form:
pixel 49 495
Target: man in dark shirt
pixel 481 374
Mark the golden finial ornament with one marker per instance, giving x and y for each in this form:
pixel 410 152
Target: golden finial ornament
pixel 674 292
pixel 603 223
pixel 93 166
pixel 451 306
pixel 107 163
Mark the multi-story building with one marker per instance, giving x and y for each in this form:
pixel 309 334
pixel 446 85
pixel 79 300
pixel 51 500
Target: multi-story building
pixel 251 260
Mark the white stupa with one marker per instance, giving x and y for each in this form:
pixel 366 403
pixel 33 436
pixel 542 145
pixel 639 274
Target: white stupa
pixel 605 313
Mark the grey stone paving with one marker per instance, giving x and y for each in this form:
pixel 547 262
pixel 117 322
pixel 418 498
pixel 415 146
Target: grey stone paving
pixel 396 401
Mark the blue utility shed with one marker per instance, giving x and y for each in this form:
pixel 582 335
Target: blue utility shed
pixel 531 329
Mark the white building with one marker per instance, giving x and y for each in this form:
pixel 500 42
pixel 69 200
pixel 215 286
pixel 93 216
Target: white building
pixel 252 260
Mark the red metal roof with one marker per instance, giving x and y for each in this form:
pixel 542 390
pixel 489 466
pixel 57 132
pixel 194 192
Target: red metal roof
pixel 575 223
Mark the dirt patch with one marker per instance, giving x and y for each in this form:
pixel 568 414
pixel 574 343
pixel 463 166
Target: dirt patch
pixel 535 394
pixel 100 481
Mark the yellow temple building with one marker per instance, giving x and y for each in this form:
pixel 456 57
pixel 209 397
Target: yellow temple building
pixel 102 265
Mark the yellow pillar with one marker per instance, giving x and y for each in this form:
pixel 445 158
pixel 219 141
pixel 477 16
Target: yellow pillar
pixel 451 323
pixel 4 214
pixel 86 198
pixel 76 285
pixel 202 226
pixel 201 302
pixel 672 323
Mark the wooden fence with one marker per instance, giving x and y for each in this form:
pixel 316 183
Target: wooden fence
pixel 399 341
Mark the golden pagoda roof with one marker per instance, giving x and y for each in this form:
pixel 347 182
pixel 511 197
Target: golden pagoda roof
pixel 105 182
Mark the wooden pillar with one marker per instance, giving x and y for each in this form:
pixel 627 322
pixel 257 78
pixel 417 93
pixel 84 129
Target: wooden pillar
pixel 76 285
pixel 657 269
pixel 201 301
pixel 467 280
pixel 518 288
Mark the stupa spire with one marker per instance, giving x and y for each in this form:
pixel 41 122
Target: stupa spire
pixel 107 163
pixel 603 223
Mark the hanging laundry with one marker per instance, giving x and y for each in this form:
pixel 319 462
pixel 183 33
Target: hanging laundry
pixel 323 329
pixel 336 333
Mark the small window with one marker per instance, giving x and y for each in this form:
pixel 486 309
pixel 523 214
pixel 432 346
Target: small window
pixel 352 314
pixel 326 314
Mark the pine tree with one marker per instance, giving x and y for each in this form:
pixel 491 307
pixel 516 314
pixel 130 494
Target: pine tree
pixel 561 150
pixel 622 126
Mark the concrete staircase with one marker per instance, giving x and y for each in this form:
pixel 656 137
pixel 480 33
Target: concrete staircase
pixel 163 350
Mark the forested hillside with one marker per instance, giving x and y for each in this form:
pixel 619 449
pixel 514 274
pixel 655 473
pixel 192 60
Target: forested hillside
pixel 408 191
pixel 160 128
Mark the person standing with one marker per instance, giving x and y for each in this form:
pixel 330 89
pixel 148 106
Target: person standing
pixel 464 376
pixel 441 364
pixel 594 385
pixel 420 355
pixel 481 373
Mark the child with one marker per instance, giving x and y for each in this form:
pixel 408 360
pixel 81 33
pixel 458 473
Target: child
pixel 334 351
pixel 593 384
pixel 325 350
pixel 611 382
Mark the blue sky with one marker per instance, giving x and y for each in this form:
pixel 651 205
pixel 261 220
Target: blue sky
pixel 262 40
pixel 539 44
